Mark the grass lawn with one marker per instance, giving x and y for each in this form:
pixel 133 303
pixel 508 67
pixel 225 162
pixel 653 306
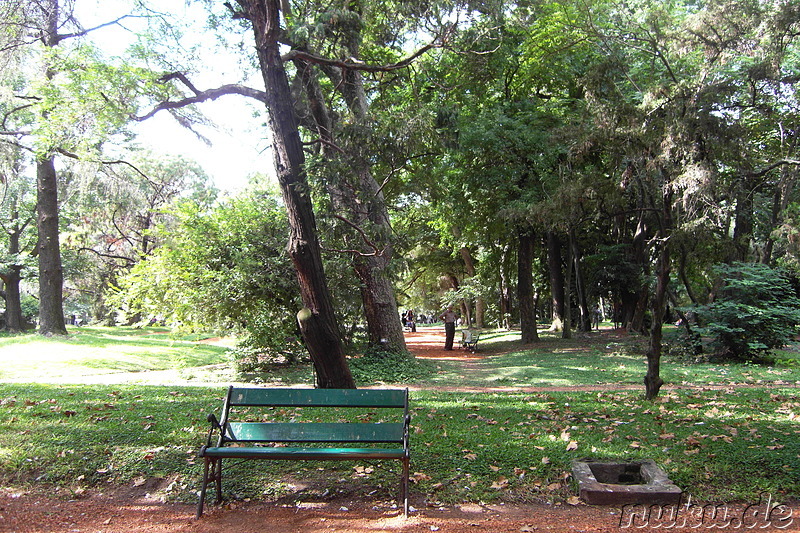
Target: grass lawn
pixel 730 443
pixel 92 351
pixel 600 358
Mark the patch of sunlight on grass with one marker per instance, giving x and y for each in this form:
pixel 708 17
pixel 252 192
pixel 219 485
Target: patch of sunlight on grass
pixel 31 360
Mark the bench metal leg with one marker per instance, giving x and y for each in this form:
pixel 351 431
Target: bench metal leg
pixel 404 488
pixel 212 471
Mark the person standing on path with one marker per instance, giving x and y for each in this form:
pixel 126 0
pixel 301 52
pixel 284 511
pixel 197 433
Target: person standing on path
pixel 449 318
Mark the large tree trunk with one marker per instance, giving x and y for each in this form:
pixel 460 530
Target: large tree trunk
pixel 652 379
pixel 556 280
pixel 317 321
pixel 525 293
pixel 51 274
pixel 364 205
pixel 380 305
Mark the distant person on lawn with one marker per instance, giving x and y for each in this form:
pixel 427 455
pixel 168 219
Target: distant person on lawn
pixel 449 318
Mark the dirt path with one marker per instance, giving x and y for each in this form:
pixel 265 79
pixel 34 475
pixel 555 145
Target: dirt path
pixel 133 510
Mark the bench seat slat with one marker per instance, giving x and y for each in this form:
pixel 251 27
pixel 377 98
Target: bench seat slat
pixel 317 397
pixel 235 452
pixel 315 432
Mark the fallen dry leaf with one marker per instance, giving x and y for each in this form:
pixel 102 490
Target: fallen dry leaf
pixel 416 477
pixel 501 483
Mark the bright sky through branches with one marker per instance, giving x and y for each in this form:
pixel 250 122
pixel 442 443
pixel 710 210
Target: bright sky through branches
pixel 239 144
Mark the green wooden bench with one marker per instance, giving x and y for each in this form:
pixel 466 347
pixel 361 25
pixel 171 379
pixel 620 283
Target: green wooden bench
pixel 230 437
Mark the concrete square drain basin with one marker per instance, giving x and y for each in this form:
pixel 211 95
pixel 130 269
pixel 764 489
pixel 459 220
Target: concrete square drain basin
pixel 623 482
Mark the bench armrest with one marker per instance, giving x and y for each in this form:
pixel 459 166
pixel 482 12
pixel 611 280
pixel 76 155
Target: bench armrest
pixel 215 425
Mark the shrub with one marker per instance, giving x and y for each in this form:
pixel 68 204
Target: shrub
pixel 755 310
pixel 377 365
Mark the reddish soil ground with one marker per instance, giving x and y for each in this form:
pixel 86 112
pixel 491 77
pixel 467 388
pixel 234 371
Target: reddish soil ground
pixel 132 510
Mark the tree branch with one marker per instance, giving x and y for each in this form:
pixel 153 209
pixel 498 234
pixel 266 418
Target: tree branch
pixel 326 143
pixel 376 253
pixel 127 260
pixel 353 64
pixel 773 166
pixel 86 31
pixel 200 96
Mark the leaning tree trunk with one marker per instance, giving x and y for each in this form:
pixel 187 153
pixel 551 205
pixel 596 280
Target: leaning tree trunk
pixel 525 294
pixel 368 207
pixel 317 321
pixel 365 207
pixel 51 274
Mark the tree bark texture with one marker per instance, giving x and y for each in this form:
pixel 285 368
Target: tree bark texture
pixel 12 279
pixel 652 379
pixel 525 294
pixel 364 205
pixel 317 321
pixel 51 274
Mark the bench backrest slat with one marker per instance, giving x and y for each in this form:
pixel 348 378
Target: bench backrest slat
pixel 262 397
pixel 315 432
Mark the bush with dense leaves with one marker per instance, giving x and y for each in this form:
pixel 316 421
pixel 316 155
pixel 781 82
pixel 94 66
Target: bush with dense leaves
pixel 756 310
